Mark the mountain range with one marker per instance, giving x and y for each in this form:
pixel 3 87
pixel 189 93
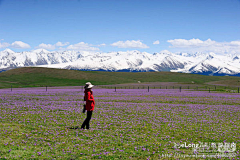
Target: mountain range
pixel 129 61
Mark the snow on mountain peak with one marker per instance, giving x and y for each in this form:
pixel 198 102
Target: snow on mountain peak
pixel 202 63
pixel 165 52
pixel 8 51
pixel 210 56
pixel 40 51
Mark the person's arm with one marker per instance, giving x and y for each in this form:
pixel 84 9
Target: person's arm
pixel 89 97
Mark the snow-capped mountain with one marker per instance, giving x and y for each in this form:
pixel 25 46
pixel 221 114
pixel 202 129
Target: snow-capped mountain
pixel 212 64
pixel 199 63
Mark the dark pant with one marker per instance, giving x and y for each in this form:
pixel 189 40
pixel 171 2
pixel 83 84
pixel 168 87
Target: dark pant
pixel 87 120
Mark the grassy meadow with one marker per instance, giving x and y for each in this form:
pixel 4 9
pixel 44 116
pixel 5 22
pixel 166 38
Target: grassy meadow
pixel 40 77
pixel 127 124
pixel 130 122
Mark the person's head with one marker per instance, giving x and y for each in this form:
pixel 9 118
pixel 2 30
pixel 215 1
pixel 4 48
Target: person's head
pixel 88 86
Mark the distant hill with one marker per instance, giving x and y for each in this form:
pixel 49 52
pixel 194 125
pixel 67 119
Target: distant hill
pixel 37 77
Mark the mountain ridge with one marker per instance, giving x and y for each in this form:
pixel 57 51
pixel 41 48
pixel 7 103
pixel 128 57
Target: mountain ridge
pixel 129 61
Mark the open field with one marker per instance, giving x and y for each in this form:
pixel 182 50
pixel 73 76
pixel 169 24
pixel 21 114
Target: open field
pixel 39 77
pixel 127 124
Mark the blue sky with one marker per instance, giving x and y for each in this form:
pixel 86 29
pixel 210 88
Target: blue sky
pixel 121 25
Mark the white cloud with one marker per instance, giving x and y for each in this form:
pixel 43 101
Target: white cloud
pixel 101 45
pixel 197 45
pixel 130 44
pixel 82 47
pixel 46 46
pixel 4 45
pixel 235 43
pixel 52 46
pixel 20 45
pixel 60 44
pixel 156 42
pixel 181 43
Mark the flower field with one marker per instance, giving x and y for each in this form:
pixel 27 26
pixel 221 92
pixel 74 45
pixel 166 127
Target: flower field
pixel 126 124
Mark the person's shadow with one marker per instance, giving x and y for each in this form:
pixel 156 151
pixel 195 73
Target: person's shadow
pixel 73 127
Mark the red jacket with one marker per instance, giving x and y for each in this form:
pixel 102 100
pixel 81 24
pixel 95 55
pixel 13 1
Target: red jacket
pixel 88 97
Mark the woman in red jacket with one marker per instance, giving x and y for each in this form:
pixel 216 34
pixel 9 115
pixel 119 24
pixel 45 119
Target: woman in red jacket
pixel 88 97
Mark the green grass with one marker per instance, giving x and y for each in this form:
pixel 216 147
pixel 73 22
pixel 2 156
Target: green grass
pixel 140 125
pixel 38 77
